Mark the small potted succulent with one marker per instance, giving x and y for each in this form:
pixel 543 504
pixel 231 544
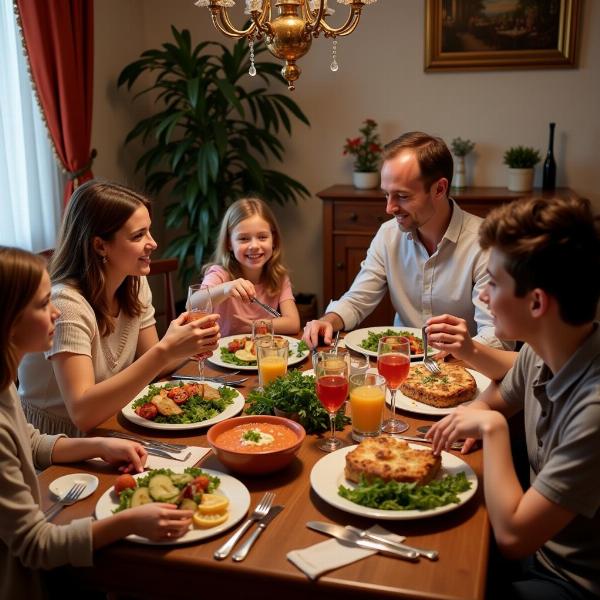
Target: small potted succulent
pixel 521 160
pixel 366 151
pixel 460 149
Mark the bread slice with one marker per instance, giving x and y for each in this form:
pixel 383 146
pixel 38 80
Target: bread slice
pixel 391 459
pixel 453 386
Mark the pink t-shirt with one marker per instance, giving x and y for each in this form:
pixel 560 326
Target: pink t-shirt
pixel 232 309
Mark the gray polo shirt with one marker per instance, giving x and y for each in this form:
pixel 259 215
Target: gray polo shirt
pixel 562 427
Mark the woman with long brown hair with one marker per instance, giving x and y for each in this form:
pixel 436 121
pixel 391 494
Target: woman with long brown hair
pixel 27 542
pixel 106 348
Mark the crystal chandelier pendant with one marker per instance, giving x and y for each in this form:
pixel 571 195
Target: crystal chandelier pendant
pixel 252 69
pixel 334 64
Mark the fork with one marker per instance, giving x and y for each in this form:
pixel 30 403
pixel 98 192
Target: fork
pixel 69 498
pixel 159 445
pixel 154 451
pixel 430 364
pixel 262 508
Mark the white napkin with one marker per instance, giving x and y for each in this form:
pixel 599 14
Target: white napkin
pixel 196 453
pixel 157 462
pixel 332 554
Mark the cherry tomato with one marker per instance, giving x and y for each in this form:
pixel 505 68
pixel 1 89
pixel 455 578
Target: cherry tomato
pixel 201 482
pixel 122 482
pixel 147 411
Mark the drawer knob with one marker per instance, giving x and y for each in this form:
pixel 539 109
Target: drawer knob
pixel 353 217
pixel 340 266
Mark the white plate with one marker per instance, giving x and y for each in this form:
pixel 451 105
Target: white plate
pixel 328 474
pixel 215 359
pixel 410 405
pixel 59 487
pixel 354 339
pixel 232 488
pixel 230 411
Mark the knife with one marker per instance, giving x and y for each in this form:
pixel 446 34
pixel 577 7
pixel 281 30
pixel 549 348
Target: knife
pixel 430 554
pixel 262 524
pixel 341 533
pixel 271 311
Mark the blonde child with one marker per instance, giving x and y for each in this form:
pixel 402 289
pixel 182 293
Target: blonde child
pixel 247 264
pixel 27 542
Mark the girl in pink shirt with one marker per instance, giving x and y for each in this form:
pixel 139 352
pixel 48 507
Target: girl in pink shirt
pixel 247 264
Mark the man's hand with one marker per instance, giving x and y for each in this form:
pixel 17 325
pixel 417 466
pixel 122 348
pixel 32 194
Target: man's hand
pixel 316 328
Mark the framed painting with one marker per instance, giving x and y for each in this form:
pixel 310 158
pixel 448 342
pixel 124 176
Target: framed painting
pixel 500 34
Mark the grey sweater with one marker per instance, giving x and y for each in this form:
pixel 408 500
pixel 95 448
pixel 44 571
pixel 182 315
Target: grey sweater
pixel 27 542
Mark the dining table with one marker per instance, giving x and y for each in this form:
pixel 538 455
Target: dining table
pixel 134 570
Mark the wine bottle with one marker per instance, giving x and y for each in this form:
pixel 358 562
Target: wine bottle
pixel 549 172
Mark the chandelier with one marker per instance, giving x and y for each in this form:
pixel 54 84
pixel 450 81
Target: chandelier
pixel 289 34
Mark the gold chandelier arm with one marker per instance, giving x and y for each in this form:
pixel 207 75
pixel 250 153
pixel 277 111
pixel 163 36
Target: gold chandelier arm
pixel 262 19
pixel 313 23
pixel 221 21
pixel 348 27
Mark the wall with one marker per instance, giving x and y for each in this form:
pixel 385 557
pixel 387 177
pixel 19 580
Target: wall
pixel 381 76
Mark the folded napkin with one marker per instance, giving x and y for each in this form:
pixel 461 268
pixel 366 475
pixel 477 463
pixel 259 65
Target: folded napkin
pixel 196 453
pixel 332 554
pixel 157 462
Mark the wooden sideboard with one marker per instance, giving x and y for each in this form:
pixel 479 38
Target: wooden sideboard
pixel 351 217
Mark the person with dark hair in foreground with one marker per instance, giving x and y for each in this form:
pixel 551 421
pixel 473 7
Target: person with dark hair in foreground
pixel 543 289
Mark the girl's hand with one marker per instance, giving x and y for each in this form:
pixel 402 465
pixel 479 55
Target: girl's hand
pixel 464 422
pixel 242 289
pixel 184 339
pixel 130 456
pixel 450 335
pixel 158 521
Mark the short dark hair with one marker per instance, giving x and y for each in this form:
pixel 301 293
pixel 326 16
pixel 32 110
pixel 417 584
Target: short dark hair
pixel 552 244
pixel 433 156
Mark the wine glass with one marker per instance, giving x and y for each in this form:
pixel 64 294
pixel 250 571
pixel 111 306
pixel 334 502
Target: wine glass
pixel 198 305
pixel 393 362
pixel 261 328
pixel 331 371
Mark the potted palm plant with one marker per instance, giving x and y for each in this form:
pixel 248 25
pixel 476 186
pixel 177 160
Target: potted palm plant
pixel 521 160
pixel 209 136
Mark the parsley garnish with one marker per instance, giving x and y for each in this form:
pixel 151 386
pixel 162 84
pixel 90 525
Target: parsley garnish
pixel 251 436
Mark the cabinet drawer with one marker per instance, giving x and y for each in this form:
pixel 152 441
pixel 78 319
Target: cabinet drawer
pixel 357 216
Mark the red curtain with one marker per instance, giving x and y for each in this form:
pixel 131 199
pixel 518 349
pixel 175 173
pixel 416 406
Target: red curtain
pixel 59 43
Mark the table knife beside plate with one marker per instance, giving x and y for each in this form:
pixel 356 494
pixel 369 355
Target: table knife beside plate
pixel 243 550
pixel 343 534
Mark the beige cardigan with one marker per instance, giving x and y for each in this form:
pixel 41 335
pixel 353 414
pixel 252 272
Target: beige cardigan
pixel 27 542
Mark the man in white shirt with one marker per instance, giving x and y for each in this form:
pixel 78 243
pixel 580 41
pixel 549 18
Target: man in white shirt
pixel 428 256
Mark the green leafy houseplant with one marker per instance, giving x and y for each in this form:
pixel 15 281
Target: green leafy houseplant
pixel 210 137
pixel 520 157
pixel 366 149
pixel 461 147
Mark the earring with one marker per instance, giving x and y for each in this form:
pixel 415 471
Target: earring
pixel 104 260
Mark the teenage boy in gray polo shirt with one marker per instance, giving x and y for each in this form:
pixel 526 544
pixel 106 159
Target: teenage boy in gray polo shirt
pixel 544 287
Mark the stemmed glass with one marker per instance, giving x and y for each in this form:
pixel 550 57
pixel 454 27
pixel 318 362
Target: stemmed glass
pixel 393 363
pixel 199 304
pixel 331 371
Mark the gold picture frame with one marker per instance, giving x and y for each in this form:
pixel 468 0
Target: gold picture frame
pixel 500 34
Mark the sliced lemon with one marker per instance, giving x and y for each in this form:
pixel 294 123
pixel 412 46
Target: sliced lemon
pixel 245 356
pixel 207 521
pixel 212 504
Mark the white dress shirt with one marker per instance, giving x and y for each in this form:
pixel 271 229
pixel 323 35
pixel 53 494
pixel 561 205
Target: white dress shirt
pixel 422 286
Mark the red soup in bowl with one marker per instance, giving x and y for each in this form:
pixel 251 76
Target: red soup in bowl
pixel 256 444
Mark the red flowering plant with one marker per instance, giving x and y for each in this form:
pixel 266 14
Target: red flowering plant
pixel 366 149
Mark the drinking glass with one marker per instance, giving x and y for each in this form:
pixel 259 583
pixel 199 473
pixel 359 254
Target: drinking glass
pixel 367 399
pixel 272 359
pixel 393 362
pixel 198 305
pixel 261 328
pixel 359 365
pixel 331 371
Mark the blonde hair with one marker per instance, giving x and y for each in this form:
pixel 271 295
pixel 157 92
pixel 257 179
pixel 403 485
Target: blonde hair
pixel 274 271
pixel 20 276
pixel 96 209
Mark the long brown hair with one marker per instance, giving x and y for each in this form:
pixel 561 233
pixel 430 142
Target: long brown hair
pixel 100 209
pixel 274 271
pixel 20 276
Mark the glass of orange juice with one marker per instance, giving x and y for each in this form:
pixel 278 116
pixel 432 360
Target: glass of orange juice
pixel 272 359
pixel 367 400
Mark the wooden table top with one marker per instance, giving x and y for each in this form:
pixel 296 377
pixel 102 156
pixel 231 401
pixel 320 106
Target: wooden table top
pixel 188 571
